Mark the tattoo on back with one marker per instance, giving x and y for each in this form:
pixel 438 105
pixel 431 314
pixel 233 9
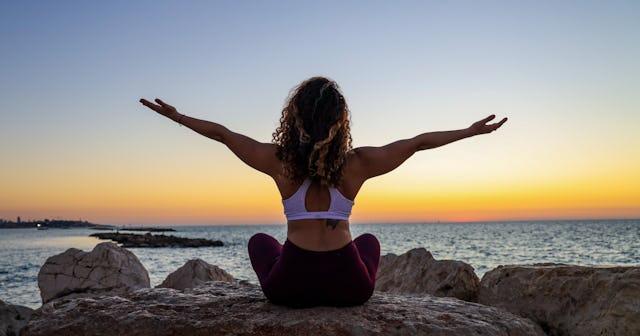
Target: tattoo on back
pixel 332 223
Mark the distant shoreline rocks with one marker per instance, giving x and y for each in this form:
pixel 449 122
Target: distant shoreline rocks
pixel 150 240
pixel 137 228
pixel 147 229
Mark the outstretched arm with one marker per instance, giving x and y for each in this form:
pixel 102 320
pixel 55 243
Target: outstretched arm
pixel 260 156
pixel 374 161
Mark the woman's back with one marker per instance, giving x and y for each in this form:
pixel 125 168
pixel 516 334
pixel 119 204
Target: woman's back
pixel 305 197
pixel 329 232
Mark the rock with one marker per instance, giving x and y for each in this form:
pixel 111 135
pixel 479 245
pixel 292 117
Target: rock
pixel 108 269
pixel 568 300
pixel 150 240
pixel 147 229
pixel 195 273
pixel 13 318
pixel 222 308
pixel 417 272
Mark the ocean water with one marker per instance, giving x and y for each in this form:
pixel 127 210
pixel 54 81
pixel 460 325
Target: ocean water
pixel 482 245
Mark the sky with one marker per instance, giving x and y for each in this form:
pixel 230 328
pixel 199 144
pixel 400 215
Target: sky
pixel 76 144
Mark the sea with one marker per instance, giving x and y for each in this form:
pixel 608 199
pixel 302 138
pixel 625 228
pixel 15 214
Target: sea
pixel 483 245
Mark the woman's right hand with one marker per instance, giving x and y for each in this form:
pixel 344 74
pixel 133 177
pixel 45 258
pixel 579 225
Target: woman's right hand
pixel 162 108
pixel 482 126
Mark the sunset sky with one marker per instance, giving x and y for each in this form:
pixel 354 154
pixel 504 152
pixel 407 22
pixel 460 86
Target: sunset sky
pixel 76 144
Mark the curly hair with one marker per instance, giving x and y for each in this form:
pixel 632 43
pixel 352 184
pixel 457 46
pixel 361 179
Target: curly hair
pixel 314 137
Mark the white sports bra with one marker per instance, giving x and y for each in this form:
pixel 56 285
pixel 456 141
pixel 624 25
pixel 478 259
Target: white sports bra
pixel 294 206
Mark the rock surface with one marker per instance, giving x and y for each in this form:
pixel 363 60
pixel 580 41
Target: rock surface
pixel 195 273
pixel 417 272
pixel 151 240
pixel 568 300
pixel 233 309
pixel 13 318
pixel 108 269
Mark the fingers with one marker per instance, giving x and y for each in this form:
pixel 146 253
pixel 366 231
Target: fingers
pixel 166 107
pixel 161 105
pixel 488 119
pixel 162 109
pixel 497 125
pixel 483 126
pixel 148 103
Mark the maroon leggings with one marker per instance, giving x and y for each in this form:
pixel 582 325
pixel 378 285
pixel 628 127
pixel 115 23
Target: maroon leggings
pixel 299 278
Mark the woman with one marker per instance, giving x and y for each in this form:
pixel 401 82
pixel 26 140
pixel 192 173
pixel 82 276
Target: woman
pixel 318 175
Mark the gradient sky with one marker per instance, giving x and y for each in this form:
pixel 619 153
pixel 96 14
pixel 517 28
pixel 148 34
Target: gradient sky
pixel 75 143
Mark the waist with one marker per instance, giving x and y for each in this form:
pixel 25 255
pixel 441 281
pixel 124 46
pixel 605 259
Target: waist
pixel 316 235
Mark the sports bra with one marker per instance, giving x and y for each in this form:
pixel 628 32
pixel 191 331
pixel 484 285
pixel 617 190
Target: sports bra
pixel 294 206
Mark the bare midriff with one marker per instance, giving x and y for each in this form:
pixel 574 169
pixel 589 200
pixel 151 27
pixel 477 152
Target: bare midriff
pixel 316 235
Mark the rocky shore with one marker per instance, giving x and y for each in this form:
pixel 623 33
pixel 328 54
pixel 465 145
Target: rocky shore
pixel 220 308
pixel 106 291
pixel 151 240
pixel 568 300
pixel 13 318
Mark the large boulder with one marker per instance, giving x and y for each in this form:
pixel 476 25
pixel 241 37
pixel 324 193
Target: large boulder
pixel 417 272
pixel 195 273
pixel 108 269
pixel 13 318
pixel 568 300
pixel 221 308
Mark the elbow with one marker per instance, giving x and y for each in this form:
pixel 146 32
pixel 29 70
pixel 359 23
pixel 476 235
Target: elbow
pixel 426 145
pixel 218 133
pixel 218 138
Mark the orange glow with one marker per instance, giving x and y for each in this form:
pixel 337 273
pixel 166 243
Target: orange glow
pixel 183 200
pixel 226 192
pixel 607 196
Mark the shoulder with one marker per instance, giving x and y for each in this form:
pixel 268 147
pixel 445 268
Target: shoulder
pixel 271 148
pixel 356 158
pixel 269 152
pixel 354 169
pixel 355 153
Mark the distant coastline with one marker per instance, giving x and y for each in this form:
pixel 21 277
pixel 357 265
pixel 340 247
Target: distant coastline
pixel 45 224
pixel 51 224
